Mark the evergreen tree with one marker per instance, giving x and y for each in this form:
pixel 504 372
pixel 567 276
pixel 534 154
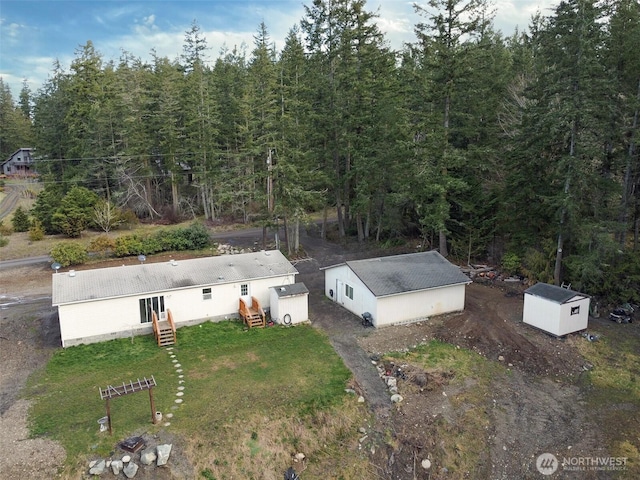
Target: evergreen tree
pixel 451 27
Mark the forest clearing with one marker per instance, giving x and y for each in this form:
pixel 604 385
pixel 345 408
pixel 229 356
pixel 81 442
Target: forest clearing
pixel 484 395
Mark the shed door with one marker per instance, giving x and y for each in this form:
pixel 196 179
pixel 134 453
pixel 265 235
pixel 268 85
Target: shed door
pixel 339 291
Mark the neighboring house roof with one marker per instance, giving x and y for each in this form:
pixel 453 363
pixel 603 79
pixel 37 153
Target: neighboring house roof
pixel 407 273
pixel 87 285
pixel 553 293
pixel 292 290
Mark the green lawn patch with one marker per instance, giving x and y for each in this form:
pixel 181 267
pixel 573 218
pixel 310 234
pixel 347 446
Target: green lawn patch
pixel 239 385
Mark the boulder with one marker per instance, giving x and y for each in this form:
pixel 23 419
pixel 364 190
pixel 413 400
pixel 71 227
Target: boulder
pixel 98 468
pixel 126 459
pixel 391 382
pixel 148 456
pixel 116 466
pixel 130 470
pixel 163 454
pixel 396 398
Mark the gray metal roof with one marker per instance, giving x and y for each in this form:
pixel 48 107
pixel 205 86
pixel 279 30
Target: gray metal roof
pixel 553 292
pixel 292 290
pixel 87 285
pixel 406 273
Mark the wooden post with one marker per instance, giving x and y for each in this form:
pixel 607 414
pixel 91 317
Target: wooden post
pixel 109 417
pixel 153 407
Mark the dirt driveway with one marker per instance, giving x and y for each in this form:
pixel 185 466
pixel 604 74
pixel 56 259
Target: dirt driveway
pixel 536 408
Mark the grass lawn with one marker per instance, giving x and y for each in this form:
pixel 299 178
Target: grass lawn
pixel 251 400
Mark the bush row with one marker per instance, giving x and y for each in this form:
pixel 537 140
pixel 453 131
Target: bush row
pixel 193 237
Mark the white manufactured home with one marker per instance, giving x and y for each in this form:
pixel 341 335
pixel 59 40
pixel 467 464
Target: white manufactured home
pixel 556 310
pixel 116 302
pixel 399 288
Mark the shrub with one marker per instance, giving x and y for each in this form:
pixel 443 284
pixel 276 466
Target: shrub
pixel 20 220
pixel 3 241
pixel 36 232
pixel 66 253
pixel 197 235
pixel 127 245
pixel 102 245
pixel 511 263
pixel 5 230
pixel 128 218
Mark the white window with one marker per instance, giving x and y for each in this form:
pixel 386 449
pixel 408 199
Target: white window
pixel 206 294
pixel 348 291
pixel 575 310
pixel 244 289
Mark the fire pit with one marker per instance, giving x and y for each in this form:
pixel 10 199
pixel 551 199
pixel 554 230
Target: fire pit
pixel 132 444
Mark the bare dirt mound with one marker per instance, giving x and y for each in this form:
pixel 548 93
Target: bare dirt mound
pixel 492 326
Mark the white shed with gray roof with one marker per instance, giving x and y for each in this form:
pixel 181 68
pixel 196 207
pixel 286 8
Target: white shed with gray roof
pixel 556 310
pixel 290 304
pixel 399 288
pixel 101 304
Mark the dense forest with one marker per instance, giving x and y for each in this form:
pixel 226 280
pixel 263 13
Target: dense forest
pixel 520 150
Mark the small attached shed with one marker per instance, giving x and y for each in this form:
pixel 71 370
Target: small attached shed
pixel 290 304
pixel 556 310
pixel 399 288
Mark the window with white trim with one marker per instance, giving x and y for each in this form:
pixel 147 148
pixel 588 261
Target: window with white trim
pixel 244 289
pixel 348 291
pixel 575 310
pixel 206 294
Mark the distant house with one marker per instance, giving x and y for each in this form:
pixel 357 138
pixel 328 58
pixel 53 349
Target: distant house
pixel 101 304
pixel 398 289
pixel 556 310
pixel 20 163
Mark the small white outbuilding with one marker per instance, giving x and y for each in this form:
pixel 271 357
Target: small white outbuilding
pixel 556 310
pixel 290 303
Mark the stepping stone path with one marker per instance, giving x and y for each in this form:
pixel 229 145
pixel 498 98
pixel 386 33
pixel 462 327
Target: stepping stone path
pixel 180 392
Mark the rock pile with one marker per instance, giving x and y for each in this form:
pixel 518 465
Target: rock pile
pixel 390 381
pixel 150 457
pixel 226 249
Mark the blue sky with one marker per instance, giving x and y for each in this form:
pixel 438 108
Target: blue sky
pixel 34 33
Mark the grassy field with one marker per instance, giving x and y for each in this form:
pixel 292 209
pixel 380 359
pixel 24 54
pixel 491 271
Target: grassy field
pixel 252 399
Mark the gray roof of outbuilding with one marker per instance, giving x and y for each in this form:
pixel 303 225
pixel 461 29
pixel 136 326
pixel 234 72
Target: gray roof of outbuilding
pixel 407 273
pixel 292 290
pixel 553 292
pixel 88 285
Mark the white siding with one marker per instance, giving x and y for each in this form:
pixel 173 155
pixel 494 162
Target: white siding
pixel 412 306
pixel 553 317
pixel 296 306
pixel 101 320
pixel 574 323
pixel 401 308
pixel 336 281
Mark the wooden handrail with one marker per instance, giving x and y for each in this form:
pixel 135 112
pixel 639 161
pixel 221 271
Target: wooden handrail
pixel 172 324
pixel 255 304
pixel 154 320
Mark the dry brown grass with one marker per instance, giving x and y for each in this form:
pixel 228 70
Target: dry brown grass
pixel 261 446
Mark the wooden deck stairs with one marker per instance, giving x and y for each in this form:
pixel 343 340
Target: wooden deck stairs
pixel 253 315
pixel 164 330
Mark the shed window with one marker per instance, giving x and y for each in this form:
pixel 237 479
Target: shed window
pixel 348 291
pixel 244 289
pixel 575 310
pixel 206 294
